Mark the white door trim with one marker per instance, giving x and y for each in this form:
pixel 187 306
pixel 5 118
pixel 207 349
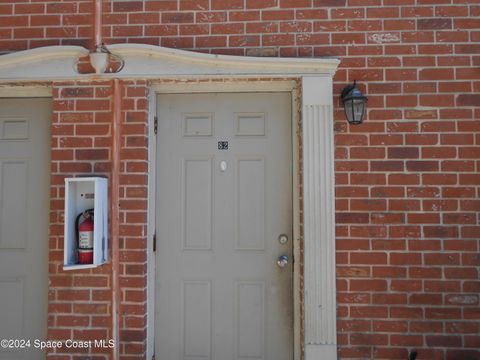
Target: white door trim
pixel 318 203
pixel 18 91
pixel 228 85
pixel 319 219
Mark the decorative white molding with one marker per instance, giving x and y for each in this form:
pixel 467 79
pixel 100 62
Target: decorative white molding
pixel 319 221
pixel 41 64
pixel 148 62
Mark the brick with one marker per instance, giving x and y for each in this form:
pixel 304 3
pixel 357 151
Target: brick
pixel 439 152
pixel 467 23
pixel 422 166
pixel 278 15
pixel 92 154
pixel 367 153
pixel 368 339
pixel 383 12
pixel 352 218
pixel 355 352
pixel 386 139
pixel 404 231
pixel 436 74
pixel 403 179
pixel 461 273
pixel 426 327
pixel 434 24
pixel 395 24
pixel 451 11
pixel 295 3
pixel 425 272
pixel 368 179
pixel 194 5
pixel 424 245
pixel 347 13
pixel 368 258
pixel 351 38
pixel 387 166
pixel 403 153
pixel 369 312
pixel 406 340
pixel 364 25
pixel 441 231
pixel 236 28
pixel 462 354
pixel 354 325
pixel 423 192
pixel 471 299
pixel 455 87
pixel 401 74
pixel 451 36
pixel 405 259
pixel 444 341
pixel 455 327
pixel 329 3
pixel 417 11
pixel 390 271
pixel 177 17
pixel 244 15
pixel 437 100
pixel 468 100
pixel 418 37
pixel 368 285
pixel 425 299
pixel 442 286
pixel 277 40
pixel 406 312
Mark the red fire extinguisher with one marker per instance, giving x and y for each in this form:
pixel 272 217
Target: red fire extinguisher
pixel 84 230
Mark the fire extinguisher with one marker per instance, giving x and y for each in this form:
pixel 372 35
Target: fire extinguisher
pixel 84 231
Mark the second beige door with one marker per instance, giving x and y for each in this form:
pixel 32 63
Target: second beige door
pixel 224 221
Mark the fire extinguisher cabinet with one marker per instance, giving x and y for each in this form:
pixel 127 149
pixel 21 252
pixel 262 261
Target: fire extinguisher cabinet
pixel 83 193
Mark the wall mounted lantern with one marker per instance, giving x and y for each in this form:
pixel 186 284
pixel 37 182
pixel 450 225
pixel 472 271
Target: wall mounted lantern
pixel 355 104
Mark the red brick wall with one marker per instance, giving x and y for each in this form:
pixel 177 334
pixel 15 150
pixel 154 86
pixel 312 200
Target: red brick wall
pixel 407 179
pixel 80 301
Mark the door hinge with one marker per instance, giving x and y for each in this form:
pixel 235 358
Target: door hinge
pixel 155 125
pixel 154 241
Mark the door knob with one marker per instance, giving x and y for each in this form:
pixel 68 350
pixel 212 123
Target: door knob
pixel 282 261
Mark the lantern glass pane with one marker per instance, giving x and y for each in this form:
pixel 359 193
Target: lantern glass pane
pixel 348 105
pixel 358 108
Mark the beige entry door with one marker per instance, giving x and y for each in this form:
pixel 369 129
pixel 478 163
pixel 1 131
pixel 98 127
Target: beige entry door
pixel 24 214
pixel 224 221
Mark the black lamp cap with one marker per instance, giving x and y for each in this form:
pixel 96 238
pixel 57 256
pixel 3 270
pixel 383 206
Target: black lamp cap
pixel 352 92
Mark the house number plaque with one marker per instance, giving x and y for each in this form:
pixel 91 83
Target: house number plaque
pixel 223 145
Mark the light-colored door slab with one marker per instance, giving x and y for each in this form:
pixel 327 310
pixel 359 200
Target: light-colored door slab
pixel 224 197
pixel 24 214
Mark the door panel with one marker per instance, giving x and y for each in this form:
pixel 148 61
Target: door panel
pixel 24 211
pixel 224 196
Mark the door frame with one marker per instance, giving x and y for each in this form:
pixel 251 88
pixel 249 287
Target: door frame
pixel 226 86
pixel 232 85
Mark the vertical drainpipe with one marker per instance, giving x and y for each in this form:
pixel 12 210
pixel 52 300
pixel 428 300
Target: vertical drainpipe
pixel 115 223
pixel 116 294
pixel 97 24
